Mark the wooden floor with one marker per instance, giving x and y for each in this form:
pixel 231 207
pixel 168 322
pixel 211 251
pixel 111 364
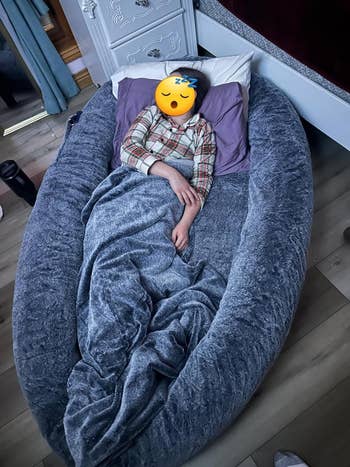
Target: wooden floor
pixel 304 403
pixel 29 104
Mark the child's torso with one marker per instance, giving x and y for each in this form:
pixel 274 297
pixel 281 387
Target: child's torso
pixel 172 141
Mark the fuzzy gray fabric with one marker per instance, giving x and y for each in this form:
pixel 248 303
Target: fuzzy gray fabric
pixel 141 311
pixel 254 229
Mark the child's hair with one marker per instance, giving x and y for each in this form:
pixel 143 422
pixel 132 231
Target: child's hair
pixel 202 85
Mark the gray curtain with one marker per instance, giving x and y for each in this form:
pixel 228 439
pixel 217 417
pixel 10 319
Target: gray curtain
pixel 22 20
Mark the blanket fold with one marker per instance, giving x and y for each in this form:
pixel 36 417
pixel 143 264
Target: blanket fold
pixel 141 310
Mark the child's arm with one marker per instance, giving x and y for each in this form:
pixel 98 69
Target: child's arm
pixel 202 180
pixel 189 214
pixel 181 187
pixel 132 150
pixel 134 153
pixel 180 233
pixel 204 158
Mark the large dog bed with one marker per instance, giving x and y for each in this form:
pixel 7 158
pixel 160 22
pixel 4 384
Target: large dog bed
pixel 254 230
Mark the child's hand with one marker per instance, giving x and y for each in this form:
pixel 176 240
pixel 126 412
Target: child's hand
pixel 180 236
pixel 182 188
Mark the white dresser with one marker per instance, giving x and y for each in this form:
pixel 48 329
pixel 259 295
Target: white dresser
pixel 111 33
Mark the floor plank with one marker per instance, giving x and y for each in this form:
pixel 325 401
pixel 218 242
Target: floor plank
pixel 21 444
pixel 327 229
pixel 52 460
pixel 16 213
pixel 320 435
pixel 6 352
pixel 322 148
pixel 8 264
pixel 29 105
pixel 319 300
pixel 329 165
pixel 12 227
pixel 336 267
pixel 18 141
pixel 13 222
pixel 331 179
pixel 334 187
pixel 27 146
pixel 6 299
pixel 249 462
pixel 12 401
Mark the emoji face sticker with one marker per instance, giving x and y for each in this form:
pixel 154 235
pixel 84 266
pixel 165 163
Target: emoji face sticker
pixel 175 95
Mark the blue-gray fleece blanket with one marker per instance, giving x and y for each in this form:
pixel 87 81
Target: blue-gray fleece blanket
pixel 141 310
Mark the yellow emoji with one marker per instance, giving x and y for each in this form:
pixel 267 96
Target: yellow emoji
pixel 174 95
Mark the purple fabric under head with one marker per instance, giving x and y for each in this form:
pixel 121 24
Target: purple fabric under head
pixel 222 107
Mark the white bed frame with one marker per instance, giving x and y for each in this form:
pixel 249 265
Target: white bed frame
pixel 317 105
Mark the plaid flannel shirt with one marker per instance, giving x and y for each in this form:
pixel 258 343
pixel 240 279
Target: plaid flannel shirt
pixel 153 137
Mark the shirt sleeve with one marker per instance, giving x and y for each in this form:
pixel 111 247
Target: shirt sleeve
pixel 132 150
pixel 203 167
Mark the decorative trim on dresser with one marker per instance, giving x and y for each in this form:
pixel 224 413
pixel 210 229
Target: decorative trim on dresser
pixel 117 32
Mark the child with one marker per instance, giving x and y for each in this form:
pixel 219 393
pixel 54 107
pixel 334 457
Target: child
pixel 187 136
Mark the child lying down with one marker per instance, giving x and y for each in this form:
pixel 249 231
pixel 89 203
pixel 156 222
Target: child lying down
pixel 156 136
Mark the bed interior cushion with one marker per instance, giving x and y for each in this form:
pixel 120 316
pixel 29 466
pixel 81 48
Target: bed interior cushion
pixel 222 107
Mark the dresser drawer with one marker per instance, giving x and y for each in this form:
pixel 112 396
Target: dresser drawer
pixel 120 17
pixel 163 42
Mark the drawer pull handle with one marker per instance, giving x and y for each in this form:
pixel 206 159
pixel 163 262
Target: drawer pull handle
pixel 142 3
pixel 154 53
pixel 88 6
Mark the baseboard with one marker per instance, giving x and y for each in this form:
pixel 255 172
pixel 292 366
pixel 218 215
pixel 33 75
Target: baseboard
pixel 80 73
pixel 317 105
pixel 83 78
pixel 70 53
pixel 24 123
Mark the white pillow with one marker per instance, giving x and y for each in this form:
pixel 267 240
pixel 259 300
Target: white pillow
pixel 219 70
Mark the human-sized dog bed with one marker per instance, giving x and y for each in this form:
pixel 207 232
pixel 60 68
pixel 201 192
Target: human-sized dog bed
pixel 188 379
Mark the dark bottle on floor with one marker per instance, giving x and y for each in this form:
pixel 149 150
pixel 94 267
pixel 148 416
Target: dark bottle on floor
pixel 18 181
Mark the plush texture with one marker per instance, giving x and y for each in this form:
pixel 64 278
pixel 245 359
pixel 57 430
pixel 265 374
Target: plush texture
pixel 141 311
pixel 219 70
pixel 222 107
pixel 254 228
